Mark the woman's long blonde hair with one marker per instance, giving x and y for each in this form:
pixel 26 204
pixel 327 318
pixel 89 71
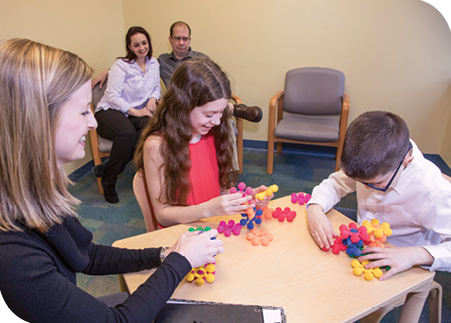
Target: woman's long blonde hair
pixel 35 82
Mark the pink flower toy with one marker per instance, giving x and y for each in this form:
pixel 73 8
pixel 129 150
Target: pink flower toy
pixel 256 237
pixel 355 234
pixel 242 188
pixel 229 228
pixel 286 213
pixel 354 238
pixel 300 198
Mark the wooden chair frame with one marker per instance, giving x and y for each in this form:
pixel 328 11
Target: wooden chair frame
pixel 239 137
pixel 96 153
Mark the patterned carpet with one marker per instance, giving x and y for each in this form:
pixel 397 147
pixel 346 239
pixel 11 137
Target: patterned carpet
pixel 293 172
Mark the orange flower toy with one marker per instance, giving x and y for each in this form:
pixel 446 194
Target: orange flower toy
pixel 256 237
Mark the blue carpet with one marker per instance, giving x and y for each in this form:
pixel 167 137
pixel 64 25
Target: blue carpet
pixel 293 172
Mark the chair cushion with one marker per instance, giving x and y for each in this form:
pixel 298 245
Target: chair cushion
pixel 104 144
pixel 308 128
pixel 314 91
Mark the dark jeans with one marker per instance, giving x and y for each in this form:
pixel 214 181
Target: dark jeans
pixel 124 132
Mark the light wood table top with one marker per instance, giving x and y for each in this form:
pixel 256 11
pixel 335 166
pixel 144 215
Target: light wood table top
pixel 291 272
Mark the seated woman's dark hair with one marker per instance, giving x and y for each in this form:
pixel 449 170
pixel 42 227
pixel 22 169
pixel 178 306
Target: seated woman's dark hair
pixel 131 56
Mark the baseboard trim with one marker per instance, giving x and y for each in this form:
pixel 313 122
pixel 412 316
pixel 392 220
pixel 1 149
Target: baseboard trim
pixel 310 150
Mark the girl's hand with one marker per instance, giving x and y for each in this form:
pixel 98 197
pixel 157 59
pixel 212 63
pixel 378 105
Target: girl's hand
pixel 228 204
pixel 262 203
pixel 198 247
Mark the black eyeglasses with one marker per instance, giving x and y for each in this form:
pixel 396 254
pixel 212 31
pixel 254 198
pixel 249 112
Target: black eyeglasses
pixel 392 178
pixel 185 39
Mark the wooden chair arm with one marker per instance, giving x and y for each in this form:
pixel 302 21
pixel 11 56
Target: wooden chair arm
pixel 237 99
pixel 346 101
pixel 344 115
pixel 276 97
pixel 275 104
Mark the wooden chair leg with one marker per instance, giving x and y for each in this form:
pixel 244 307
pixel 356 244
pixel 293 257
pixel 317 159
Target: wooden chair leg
pixel 99 184
pixel 239 143
pixel 279 147
pixel 435 303
pixel 270 161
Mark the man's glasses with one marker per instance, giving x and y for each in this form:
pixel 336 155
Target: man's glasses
pixel 392 178
pixel 185 39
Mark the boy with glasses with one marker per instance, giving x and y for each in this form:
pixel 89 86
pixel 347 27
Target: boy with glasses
pixel 394 184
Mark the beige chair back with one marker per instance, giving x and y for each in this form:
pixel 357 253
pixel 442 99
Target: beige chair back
pixel 143 198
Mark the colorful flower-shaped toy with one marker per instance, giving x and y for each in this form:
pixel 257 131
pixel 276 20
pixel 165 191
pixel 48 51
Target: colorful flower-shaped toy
pixel 256 237
pixel 337 246
pixel 268 192
pixel 355 234
pixel 300 198
pixel 267 212
pixel 199 228
pixel 229 228
pixel 353 250
pixel 242 188
pixel 354 238
pixel 369 274
pixel 286 213
pixel 251 218
pixel 378 232
pixel 201 274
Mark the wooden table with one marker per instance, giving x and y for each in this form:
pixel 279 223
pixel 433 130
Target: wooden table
pixel 292 272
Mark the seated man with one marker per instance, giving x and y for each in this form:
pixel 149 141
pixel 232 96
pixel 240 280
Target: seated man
pixel 394 184
pixel 180 40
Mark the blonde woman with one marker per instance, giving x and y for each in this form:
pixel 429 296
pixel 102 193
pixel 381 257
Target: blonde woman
pixel 45 96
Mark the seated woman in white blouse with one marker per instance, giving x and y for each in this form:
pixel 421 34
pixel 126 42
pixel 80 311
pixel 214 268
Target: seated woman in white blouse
pixel 129 101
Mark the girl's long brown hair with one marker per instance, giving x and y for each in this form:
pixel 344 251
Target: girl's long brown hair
pixel 194 84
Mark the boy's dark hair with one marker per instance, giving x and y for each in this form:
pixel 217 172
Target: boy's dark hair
pixel 375 144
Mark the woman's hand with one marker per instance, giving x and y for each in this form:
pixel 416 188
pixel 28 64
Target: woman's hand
pixel 152 105
pixel 139 113
pixel 101 78
pixel 228 204
pixel 198 247
pixel 320 227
